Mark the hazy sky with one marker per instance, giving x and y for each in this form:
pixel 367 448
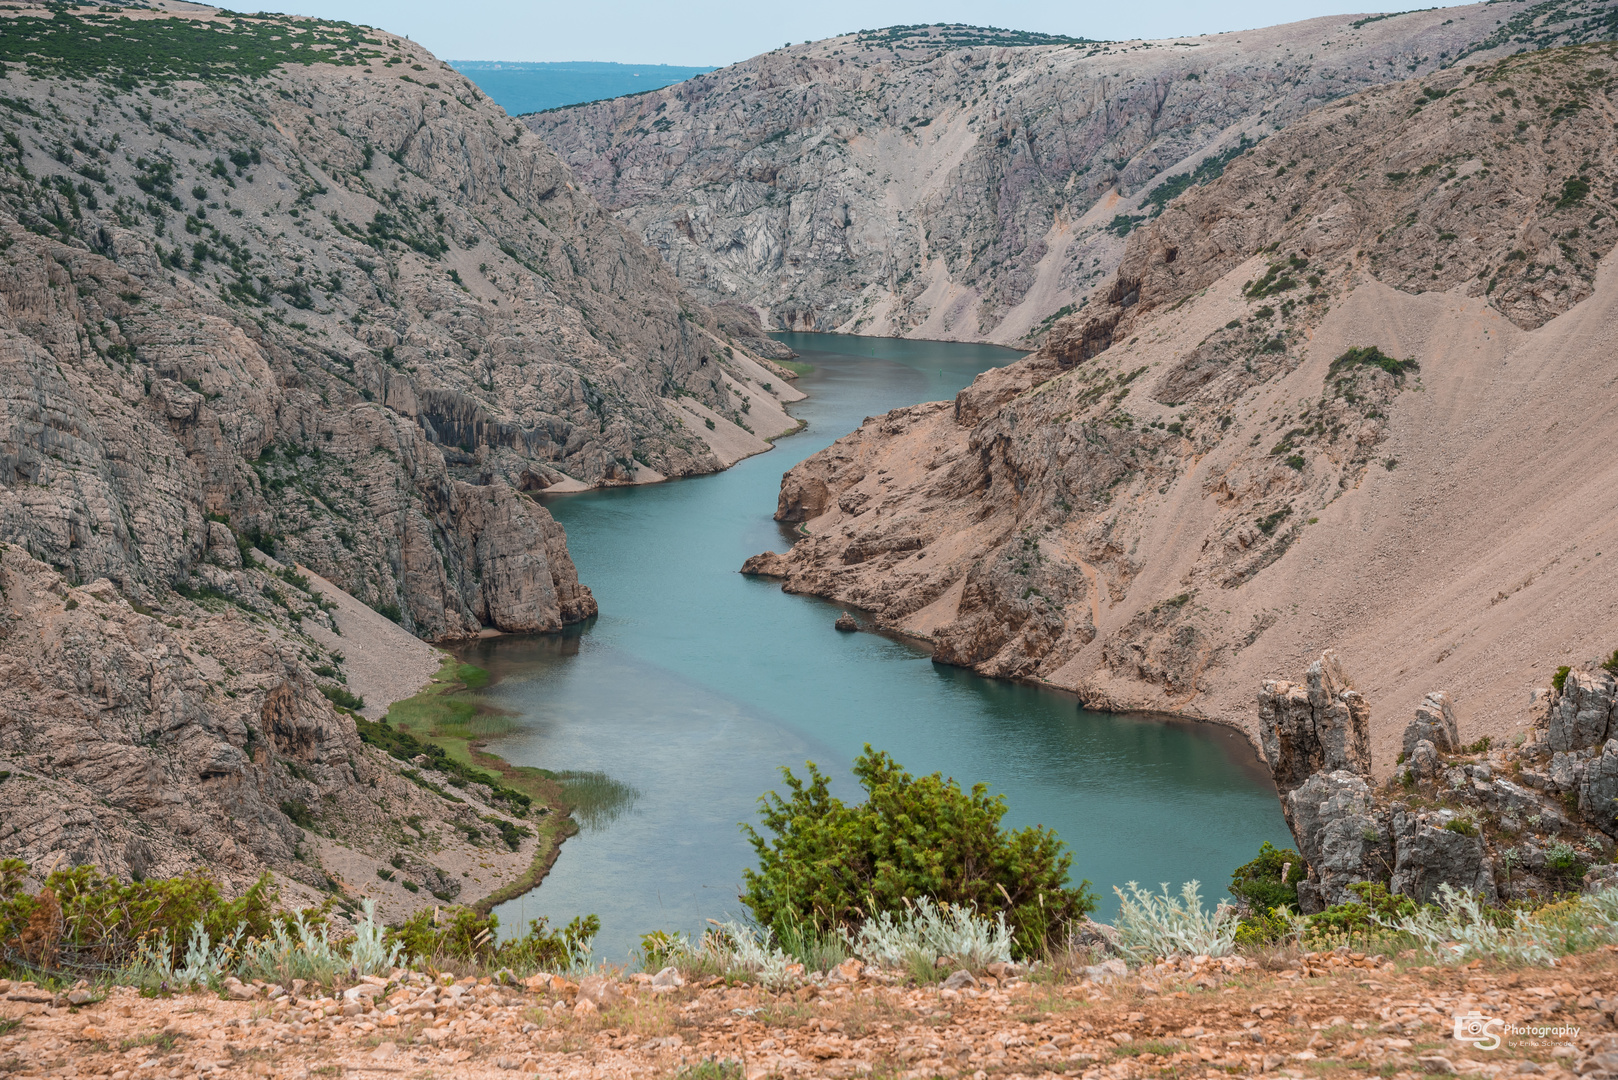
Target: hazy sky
pixel 718 32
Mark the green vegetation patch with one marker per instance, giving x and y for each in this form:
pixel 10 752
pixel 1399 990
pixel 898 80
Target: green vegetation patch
pixel 1271 880
pixel 1277 279
pixel 1208 169
pixel 960 36
pixel 594 798
pixel 1357 23
pixel 1371 356
pixel 826 864
pixel 104 921
pixel 130 50
pixel 416 726
pixel 1123 224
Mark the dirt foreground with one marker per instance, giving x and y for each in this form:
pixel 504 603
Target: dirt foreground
pixel 1324 1014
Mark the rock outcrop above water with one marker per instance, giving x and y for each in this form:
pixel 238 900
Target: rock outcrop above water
pixel 951 182
pixel 1324 399
pixel 1491 822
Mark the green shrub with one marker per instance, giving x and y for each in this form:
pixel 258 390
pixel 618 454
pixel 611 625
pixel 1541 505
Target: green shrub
pixel 342 697
pixel 1574 189
pixel 827 864
pixel 1371 356
pixel 462 934
pixel 1560 678
pixel 1360 917
pixel 104 920
pixel 1264 929
pixel 1462 826
pixel 299 813
pixel 1259 883
pixel 1563 862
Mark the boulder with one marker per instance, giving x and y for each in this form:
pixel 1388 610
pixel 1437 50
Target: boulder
pixel 1598 790
pixel 1423 759
pixel 1339 834
pixel 1427 855
pixel 1434 723
pixel 1581 713
pixel 960 980
pixel 846 623
pixel 767 564
pixel 1107 971
pixel 599 990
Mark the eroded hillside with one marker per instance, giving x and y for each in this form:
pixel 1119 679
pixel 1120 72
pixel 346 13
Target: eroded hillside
pixel 1354 392
pixel 956 183
pixel 346 306
pixel 280 292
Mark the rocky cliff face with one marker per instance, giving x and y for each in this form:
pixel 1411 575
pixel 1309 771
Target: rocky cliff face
pixel 348 308
pixel 280 287
pixel 955 183
pixel 151 741
pixel 1327 397
pixel 1507 824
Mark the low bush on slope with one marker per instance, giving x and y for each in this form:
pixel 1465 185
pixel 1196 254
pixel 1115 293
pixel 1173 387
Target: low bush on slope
pixel 827 864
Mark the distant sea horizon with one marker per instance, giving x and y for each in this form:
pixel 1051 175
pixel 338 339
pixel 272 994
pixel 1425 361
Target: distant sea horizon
pixel 525 87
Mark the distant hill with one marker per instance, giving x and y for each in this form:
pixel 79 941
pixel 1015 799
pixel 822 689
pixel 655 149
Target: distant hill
pixel 525 88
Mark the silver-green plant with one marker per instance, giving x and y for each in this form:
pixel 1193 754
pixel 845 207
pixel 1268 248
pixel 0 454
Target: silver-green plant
pixel 1457 931
pixel 303 952
pixel 152 965
pixel 753 949
pixel 205 962
pixel 1152 925
pixel 927 931
pixel 368 954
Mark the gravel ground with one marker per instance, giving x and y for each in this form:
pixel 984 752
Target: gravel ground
pixel 1322 1014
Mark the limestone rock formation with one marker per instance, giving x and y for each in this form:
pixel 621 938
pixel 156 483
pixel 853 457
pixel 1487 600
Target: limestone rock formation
pixel 846 623
pixel 1320 727
pixel 1310 407
pixel 356 315
pixel 151 741
pixel 1434 725
pixel 1584 712
pixel 1487 823
pixel 961 183
pixel 280 292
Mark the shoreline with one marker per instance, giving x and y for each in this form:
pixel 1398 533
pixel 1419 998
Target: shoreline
pixel 869 624
pixel 401 680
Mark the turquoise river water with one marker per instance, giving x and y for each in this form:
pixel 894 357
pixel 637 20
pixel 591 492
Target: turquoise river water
pixel 695 685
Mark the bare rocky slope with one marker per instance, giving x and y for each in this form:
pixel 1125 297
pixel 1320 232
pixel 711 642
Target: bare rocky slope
pixel 273 287
pixel 346 306
pixel 1357 392
pixel 956 183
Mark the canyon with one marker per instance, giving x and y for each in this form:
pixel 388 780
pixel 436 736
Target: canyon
pixel 962 183
pixel 1353 393
pixel 294 325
